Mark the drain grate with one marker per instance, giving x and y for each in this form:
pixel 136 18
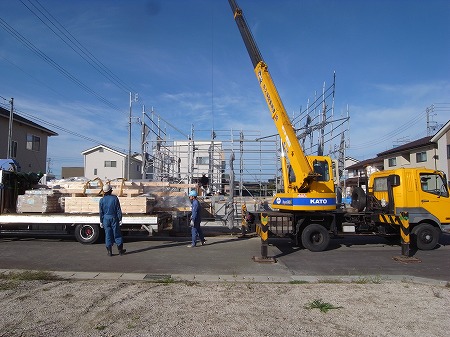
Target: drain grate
pixel 154 277
pixel 406 259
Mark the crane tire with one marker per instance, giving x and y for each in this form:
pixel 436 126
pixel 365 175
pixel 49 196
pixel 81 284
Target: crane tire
pixel 315 238
pixel 425 236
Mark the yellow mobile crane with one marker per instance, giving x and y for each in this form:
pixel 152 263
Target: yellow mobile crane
pixel 312 188
pixel 421 196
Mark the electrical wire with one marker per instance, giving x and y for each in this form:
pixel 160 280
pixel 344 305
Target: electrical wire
pixel 75 45
pixel 57 127
pixel 54 64
pixel 390 135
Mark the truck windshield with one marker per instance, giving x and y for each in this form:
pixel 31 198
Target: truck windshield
pixel 434 184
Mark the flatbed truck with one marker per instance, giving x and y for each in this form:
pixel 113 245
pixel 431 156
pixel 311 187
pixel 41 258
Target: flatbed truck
pixel 85 227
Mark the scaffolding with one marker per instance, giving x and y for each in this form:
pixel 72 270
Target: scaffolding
pixel 258 172
pixel 234 168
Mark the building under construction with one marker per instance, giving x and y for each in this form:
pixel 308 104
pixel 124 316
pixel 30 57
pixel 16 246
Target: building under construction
pixel 235 167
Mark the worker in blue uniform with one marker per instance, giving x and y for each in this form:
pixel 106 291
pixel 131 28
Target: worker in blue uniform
pixel 111 220
pixel 196 219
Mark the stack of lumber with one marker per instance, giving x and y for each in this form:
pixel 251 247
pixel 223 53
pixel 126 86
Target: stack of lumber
pixel 38 201
pixel 126 188
pixel 73 189
pixel 90 205
pixel 94 188
pixel 83 195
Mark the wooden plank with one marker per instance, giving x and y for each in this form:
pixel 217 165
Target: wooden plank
pixel 183 185
pixel 172 209
pixel 129 205
pixel 155 183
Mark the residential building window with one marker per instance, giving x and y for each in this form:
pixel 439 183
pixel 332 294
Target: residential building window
pixel 392 162
pixel 33 142
pixel 202 160
pixel 448 151
pixel 100 149
pixel 110 163
pixel 421 157
pixel 13 149
pixel 95 172
pixel 138 168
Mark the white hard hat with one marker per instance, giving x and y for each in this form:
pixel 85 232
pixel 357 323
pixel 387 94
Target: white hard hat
pixel 107 188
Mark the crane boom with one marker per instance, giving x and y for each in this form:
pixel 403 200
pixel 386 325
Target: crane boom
pixel 300 165
pixel 312 188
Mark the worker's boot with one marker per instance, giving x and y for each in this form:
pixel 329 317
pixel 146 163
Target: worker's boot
pixel 121 250
pixel 109 249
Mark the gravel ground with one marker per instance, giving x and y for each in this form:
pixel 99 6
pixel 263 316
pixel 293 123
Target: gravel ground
pixel 140 308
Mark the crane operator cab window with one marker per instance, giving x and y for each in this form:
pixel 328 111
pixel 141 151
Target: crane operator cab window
pixel 322 168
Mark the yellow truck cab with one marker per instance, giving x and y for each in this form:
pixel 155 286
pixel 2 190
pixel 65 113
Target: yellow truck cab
pixel 422 193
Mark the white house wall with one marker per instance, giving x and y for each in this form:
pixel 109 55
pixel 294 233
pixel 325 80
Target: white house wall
pixel 443 161
pixel 442 138
pixel 184 152
pixel 95 160
pixel 409 159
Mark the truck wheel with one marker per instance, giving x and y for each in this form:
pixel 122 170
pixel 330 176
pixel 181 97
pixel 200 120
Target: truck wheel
pixel 358 198
pixel 87 233
pixel 315 238
pixel 425 236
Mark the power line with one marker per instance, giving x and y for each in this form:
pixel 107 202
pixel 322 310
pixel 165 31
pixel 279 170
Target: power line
pixel 44 84
pixel 54 64
pixel 57 127
pixel 75 45
pixel 390 135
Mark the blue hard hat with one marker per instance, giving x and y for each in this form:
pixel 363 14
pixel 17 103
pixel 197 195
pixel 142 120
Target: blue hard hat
pixel 193 193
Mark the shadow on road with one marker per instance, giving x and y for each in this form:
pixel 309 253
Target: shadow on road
pixel 182 241
pixel 286 245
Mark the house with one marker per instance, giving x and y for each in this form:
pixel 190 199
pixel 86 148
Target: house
pixel 358 172
pixel 442 154
pixel 28 142
pixel 106 163
pixel 432 152
pixel 419 153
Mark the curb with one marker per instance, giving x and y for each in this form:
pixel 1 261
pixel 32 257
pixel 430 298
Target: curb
pixel 359 279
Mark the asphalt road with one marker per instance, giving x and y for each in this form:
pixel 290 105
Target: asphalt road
pixel 227 255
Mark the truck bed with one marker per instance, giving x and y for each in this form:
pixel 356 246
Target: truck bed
pixel 64 218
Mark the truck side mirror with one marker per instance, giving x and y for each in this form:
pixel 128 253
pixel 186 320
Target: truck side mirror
pixel 394 180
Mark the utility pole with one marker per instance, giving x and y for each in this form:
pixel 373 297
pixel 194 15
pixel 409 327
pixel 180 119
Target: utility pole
pixel 144 144
pixel 129 135
pixel 11 115
pixel 129 143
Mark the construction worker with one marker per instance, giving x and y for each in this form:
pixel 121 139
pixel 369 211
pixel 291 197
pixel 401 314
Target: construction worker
pixel 111 220
pixel 195 220
pixel 204 182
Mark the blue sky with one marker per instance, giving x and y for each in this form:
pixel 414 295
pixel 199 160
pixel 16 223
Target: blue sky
pixel 186 59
